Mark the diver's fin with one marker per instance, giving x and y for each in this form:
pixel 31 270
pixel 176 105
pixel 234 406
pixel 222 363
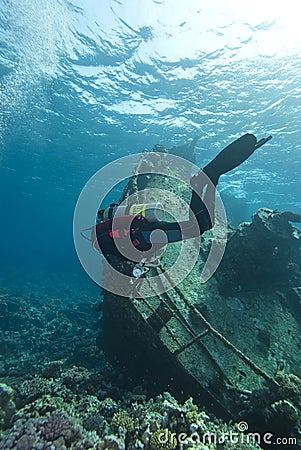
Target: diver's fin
pixel 232 156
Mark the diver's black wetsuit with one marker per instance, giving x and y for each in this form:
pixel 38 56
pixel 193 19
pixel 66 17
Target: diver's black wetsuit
pixel 201 218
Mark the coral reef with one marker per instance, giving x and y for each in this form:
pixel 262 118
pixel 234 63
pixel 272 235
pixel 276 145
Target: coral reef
pixel 54 432
pixel 163 439
pixel 47 320
pixel 34 387
pixel 95 422
pixel 69 419
pixel 74 376
pixel 7 405
pixel 121 419
pixel 56 396
pixel 52 369
pixel 59 425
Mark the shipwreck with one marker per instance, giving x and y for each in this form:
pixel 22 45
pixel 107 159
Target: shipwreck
pixel 232 342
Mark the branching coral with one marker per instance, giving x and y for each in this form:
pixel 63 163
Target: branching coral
pixel 60 425
pixel 35 387
pixel 122 419
pixel 95 422
pixel 163 439
pixel 57 430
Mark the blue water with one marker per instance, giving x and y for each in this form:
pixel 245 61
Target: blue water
pixel 83 82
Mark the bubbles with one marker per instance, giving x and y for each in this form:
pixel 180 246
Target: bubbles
pixel 35 32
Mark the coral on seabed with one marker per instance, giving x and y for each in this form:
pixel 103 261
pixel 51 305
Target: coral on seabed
pixel 7 405
pixel 122 419
pixel 68 419
pixel 74 376
pixel 95 422
pixel 163 439
pixel 60 425
pixel 53 369
pixel 35 387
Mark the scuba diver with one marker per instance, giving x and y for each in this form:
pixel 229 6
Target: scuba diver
pixel 122 236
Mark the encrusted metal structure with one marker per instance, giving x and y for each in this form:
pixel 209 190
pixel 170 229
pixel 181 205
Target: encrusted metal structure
pixel 221 341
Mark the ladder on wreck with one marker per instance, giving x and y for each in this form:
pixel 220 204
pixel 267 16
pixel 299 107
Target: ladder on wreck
pixel 167 310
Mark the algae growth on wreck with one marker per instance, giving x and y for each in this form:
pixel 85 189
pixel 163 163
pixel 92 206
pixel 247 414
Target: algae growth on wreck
pixel 84 84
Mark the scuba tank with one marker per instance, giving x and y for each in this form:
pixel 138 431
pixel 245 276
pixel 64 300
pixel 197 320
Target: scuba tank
pixel 107 213
pixel 153 212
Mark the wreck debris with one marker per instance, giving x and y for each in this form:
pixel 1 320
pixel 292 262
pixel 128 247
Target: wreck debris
pixel 265 252
pixel 218 340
